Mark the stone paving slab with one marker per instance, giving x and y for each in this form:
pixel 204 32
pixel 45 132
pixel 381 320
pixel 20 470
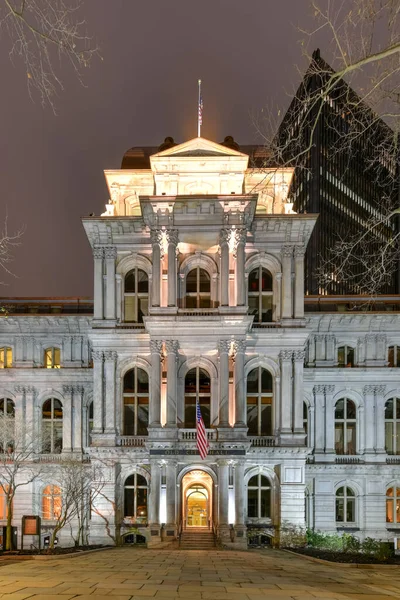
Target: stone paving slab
pixel 140 574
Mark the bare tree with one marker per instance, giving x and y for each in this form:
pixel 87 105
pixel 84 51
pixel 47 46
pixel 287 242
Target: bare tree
pixel 8 242
pixel 42 33
pixel 358 101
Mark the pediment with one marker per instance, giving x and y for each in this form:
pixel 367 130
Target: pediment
pixel 199 147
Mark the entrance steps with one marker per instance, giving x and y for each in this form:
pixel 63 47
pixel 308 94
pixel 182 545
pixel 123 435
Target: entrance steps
pixel 197 539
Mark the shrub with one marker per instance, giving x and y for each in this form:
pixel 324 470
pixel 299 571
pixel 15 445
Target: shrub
pixel 292 536
pixel 351 545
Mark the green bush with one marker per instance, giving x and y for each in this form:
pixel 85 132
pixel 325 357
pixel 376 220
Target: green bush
pixel 370 546
pixel 324 541
pixel 351 545
pixel 292 536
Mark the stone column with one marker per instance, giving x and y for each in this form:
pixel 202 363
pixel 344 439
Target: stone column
pixel 67 418
pixel 98 400
pixel 370 417
pixel 155 392
pixel 119 296
pixel 223 500
pixel 110 358
pixel 110 253
pixel 239 254
pixel 172 350
pixel 286 392
pixel 155 489
pixel 287 253
pixel 171 499
pixel 379 419
pixel 240 389
pixel 298 359
pixel 20 417
pixel 223 347
pixel 77 418
pixel 172 237
pixel 278 291
pixel 224 246
pixel 239 495
pixel 329 420
pixel 156 239
pixel 319 402
pixel 299 252
pixel 98 255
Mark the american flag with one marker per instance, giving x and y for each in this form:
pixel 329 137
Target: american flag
pixel 200 117
pixel 201 437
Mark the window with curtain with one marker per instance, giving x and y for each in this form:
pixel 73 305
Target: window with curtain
pixel 345 427
pixel 393 505
pixel 52 426
pixel 259 497
pixel 51 502
pixel 136 296
pixel 259 402
pixel 198 289
pixel 136 402
pixel 52 358
pixel 197 389
pixel 260 295
pixel 6 357
pixel 135 497
pixel 345 505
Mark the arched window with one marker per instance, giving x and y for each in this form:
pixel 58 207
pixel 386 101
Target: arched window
pixel 305 423
pixel 260 295
pixel 7 425
pixel 52 426
pixel 52 358
pixel 198 289
pixel 392 426
pixel 394 356
pixel 259 402
pixel 345 505
pixel 135 497
pixel 259 497
pixel 136 296
pixel 90 420
pixel 345 356
pixel 51 502
pixel 393 505
pixel 197 389
pixel 136 402
pixel 5 357
pixel 345 426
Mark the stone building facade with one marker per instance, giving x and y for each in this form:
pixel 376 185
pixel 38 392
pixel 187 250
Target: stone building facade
pixel 199 298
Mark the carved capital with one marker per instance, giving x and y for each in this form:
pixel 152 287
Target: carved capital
pixel 319 389
pixel 97 355
pixel 374 389
pixel 239 347
pixel 239 237
pixel 224 346
pixel 299 355
pixel 329 389
pixel 380 389
pixel 172 346
pixel 20 389
pixel 110 355
pixel 110 252
pixel 98 253
pixel 225 236
pixel 286 355
pixel 299 251
pixel 156 347
pixel 287 251
pixel 171 236
pixel 68 389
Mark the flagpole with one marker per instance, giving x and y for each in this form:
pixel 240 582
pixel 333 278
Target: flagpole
pixel 199 110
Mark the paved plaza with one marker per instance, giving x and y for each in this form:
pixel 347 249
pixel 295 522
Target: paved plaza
pixel 140 574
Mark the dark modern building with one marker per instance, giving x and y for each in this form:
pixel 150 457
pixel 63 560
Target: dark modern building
pixel 346 171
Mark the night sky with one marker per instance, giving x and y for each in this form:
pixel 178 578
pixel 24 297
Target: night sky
pixel 145 88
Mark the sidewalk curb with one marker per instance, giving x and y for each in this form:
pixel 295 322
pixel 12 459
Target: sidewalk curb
pixel 339 564
pixel 53 556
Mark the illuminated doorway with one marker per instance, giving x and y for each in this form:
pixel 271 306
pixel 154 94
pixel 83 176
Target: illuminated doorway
pixel 197 488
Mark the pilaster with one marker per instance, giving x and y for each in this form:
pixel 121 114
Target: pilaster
pixel 172 239
pixel 287 256
pixel 239 253
pixel 224 347
pixel 157 255
pixel 239 348
pixel 98 255
pixel 299 252
pixel 285 432
pixel 172 347
pixel 155 394
pixel 110 253
pixel 224 247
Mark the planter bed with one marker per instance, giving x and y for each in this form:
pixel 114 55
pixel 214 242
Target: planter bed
pixel 53 553
pixel 344 557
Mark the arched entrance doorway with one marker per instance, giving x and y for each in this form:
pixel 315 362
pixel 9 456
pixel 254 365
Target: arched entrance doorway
pixel 197 496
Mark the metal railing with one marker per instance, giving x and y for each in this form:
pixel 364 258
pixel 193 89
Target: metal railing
pixel 262 441
pixel 270 325
pixel 348 460
pixel 137 441
pixel 191 435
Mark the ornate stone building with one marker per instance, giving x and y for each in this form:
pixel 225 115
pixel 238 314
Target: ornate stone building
pixel 199 298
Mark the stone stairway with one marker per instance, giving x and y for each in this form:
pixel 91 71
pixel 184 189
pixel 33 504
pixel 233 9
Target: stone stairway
pixel 197 539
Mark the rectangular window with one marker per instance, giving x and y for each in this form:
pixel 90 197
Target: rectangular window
pixel 265 503
pixel 339 438
pixel 130 308
pixel 143 416
pixel 351 438
pixel 340 510
pixel 350 510
pixel 266 416
pixel 252 416
pixel 190 412
pixel 389 441
pixel 389 511
pixel 252 503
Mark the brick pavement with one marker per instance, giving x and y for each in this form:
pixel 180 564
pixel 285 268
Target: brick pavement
pixel 140 574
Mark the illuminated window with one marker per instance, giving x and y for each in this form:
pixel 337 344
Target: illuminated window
pixel 260 295
pixel 345 426
pixel 197 390
pixel 345 356
pixel 259 497
pixel 3 502
pixel 7 425
pixel 51 502
pixel 136 296
pixel 90 422
pixel 392 426
pixel 345 505
pixel 393 505
pixel 198 289
pixel 52 426
pixel 305 423
pixel 52 358
pixel 136 402
pixel 259 402
pixel 5 357
pixel 135 497
pixel 394 356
